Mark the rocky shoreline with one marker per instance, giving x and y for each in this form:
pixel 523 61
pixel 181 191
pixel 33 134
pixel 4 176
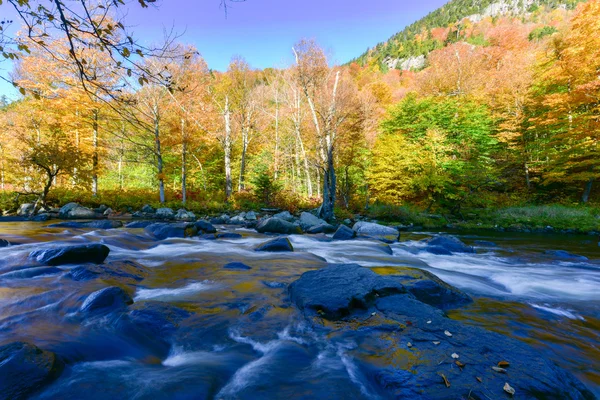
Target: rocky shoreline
pixel 306 220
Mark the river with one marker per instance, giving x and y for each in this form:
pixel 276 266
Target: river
pixel 241 338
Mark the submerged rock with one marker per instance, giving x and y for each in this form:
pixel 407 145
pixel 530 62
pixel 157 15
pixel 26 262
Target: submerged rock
pixel 344 233
pixel 31 272
pixel 163 230
pixel 78 254
pixel 237 265
pixel 275 245
pixel 106 300
pixel 4 243
pixel 446 245
pixel 228 235
pixel 276 225
pixel 122 271
pixel 485 243
pixel 376 231
pixel 565 255
pixel 25 368
pixel 139 224
pixel 104 224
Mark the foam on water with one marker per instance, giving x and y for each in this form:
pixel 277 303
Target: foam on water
pixel 562 312
pixel 243 377
pixel 166 294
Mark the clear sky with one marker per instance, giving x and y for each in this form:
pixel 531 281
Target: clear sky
pixel 263 31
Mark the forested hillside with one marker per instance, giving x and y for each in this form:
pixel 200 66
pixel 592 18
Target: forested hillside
pixel 504 112
pixel 453 23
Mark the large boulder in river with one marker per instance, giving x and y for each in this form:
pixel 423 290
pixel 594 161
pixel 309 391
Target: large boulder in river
pixel 75 211
pixel 162 230
pixel 276 245
pixel 285 215
pixel 376 231
pixel 106 300
pixel 404 346
pixel 164 213
pixel 321 228
pixel 344 233
pixel 77 254
pixel 184 215
pixel 308 220
pixel 222 220
pixel 205 226
pixel 25 368
pixel 446 245
pixel 101 224
pixel 276 225
pixel 334 291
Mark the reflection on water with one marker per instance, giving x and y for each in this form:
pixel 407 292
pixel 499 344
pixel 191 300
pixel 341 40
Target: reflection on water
pixel 243 337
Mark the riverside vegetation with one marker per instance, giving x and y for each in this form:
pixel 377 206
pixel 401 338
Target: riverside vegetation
pixel 503 114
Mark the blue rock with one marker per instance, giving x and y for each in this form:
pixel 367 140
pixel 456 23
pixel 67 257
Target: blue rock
pixel 122 271
pixel 139 224
pixel 565 255
pixel 344 233
pixel 237 265
pixel 25 368
pixel 276 225
pixel 78 254
pixel 205 226
pixel 446 245
pixel 228 235
pixel 106 300
pixel 377 314
pixel 31 272
pixel 161 230
pixel 485 243
pixel 336 290
pixel 276 245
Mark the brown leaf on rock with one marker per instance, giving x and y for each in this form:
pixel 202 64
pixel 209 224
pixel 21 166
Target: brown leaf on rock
pixel 503 364
pixel 446 381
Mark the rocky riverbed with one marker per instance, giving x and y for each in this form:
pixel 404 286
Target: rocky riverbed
pixel 194 309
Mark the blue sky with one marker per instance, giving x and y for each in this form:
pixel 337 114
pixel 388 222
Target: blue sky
pixel 263 31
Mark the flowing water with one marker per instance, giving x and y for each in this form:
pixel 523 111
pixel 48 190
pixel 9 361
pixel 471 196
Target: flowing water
pixel 243 339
